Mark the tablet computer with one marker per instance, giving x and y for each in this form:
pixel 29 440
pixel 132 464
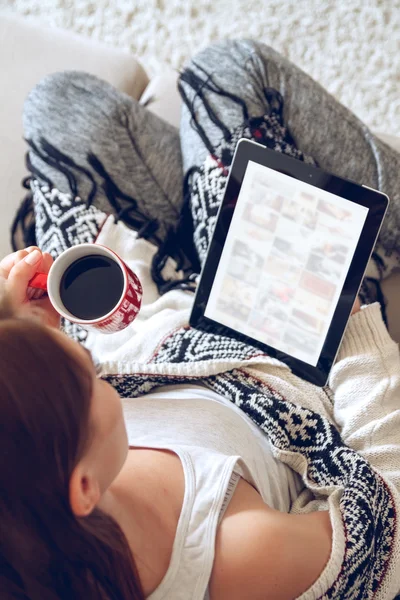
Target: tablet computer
pixel 289 250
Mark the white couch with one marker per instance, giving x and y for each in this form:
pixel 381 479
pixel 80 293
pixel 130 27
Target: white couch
pixel 29 51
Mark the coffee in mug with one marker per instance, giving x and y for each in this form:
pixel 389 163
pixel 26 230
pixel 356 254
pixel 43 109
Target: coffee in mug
pixel 82 277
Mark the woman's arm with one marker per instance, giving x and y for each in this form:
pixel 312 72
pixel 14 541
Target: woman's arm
pixel 262 554
pixel 366 385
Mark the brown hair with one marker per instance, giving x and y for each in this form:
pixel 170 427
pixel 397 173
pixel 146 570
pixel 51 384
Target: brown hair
pixel 46 553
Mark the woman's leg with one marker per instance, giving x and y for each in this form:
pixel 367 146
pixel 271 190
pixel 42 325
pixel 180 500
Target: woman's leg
pixel 233 90
pixel 95 151
pixel 104 149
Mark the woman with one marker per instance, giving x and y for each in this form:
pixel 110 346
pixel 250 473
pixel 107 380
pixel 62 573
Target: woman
pixel 237 482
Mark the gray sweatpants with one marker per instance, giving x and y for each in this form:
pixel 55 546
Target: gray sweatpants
pixel 147 159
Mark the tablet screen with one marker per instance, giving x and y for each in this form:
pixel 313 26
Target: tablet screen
pixel 285 259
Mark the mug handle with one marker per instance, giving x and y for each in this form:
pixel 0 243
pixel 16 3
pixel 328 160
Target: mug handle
pixel 39 281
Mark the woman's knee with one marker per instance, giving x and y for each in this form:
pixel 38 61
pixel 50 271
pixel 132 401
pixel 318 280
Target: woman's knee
pixel 67 116
pixel 242 66
pixel 62 100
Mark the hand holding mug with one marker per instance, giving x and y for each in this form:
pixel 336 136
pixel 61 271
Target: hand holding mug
pixel 16 270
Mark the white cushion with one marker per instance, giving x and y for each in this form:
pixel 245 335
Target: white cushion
pixel 391 140
pixel 162 97
pixel 29 52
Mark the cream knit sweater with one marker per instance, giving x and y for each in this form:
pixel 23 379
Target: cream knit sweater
pixel 344 441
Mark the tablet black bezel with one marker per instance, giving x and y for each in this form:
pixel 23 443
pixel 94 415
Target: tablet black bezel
pixel 375 201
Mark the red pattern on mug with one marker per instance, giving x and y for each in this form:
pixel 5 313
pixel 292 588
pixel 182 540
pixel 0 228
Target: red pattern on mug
pixel 127 309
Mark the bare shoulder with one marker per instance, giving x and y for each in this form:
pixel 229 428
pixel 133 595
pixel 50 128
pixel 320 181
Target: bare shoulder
pixel 257 548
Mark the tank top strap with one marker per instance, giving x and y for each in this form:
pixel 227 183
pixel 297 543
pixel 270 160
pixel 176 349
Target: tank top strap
pixel 210 480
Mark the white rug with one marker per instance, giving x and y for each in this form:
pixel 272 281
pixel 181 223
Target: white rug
pixel 352 47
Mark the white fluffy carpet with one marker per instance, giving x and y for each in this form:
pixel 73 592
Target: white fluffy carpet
pixel 352 47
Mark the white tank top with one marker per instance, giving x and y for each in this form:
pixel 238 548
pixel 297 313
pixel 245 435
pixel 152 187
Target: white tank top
pixel 217 444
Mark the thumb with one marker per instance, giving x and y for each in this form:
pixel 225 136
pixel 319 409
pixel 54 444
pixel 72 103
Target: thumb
pixel 21 274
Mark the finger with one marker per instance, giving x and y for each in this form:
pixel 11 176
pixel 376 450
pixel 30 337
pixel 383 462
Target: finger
pixel 36 293
pixel 30 293
pixel 20 255
pixel 356 306
pixel 20 275
pixel 46 263
pixel 40 294
pixel 9 261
